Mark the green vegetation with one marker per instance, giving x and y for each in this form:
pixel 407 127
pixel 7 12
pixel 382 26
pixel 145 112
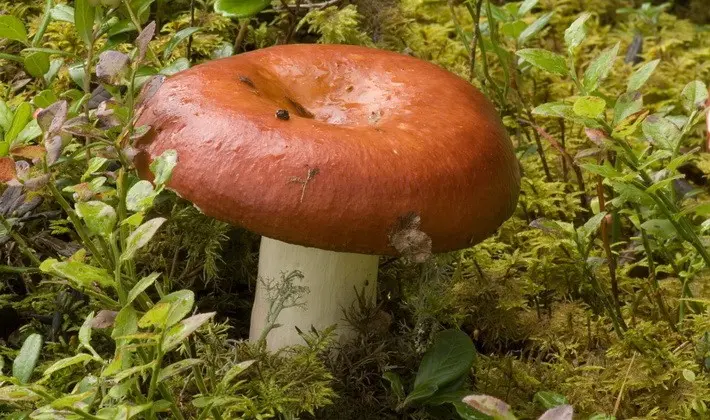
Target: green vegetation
pixel 120 300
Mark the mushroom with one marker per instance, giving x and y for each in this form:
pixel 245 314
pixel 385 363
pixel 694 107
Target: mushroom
pixel 336 155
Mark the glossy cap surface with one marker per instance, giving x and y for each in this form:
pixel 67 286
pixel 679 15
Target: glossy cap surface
pixel 336 147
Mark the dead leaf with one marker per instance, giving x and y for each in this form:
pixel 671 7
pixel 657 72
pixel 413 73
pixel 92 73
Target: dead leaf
pixel 29 152
pixel 53 145
pixel 150 88
pixel 409 241
pixel 7 169
pixel 111 65
pixel 144 38
pixel 103 319
pixel 51 119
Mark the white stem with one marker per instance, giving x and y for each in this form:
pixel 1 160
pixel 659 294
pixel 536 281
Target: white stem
pixel 333 278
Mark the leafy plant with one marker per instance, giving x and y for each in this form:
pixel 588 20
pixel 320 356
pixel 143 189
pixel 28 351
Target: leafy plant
pixel 441 375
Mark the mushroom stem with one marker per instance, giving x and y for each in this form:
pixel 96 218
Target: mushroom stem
pixel 334 280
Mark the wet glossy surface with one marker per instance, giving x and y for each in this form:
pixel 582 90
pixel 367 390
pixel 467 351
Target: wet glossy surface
pixel 370 137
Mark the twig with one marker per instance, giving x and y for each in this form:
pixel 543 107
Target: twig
pixel 308 5
pixel 623 385
pixel 474 40
pixel 312 172
pixel 611 261
pixel 241 34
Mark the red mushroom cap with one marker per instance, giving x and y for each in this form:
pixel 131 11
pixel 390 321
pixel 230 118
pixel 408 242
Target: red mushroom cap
pixel 336 147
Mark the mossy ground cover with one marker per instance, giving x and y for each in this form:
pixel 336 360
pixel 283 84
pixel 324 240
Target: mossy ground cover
pixel 595 293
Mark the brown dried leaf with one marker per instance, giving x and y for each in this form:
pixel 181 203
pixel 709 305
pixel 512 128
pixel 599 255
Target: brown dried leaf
pixel 106 115
pixel 409 241
pixel 144 38
pixel 52 118
pixel 7 169
pixel 111 65
pixel 37 182
pixel 150 88
pixel 29 152
pixel 103 319
pixel 597 136
pixel 22 169
pixel 53 145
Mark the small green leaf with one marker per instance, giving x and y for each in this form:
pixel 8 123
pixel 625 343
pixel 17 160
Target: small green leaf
pixel 37 64
pixel 70 399
pixel 178 367
pixel 82 275
pixel 66 362
pixel 225 49
pixel 592 225
pixel 660 228
pixel 30 132
pixel 140 196
pixel 627 104
pixel 606 170
pixel 45 98
pixel 95 165
pixel 181 331
pixel 553 109
pixel 526 6
pixel 26 360
pixel 169 310
pixel 235 371
pixel 589 106
pixel 156 316
pixel 17 393
pixel 599 69
pixel 574 35
pixel 126 323
pixel 99 217
pixel 513 29
pixel 63 13
pixel 176 39
pixel 141 236
pixel 23 115
pixel 162 167
pixel 85 335
pixel 176 66
pixel 694 95
pixel 662 132
pixel 240 8
pixel 395 384
pixel 12 28
pixel 534 28
pixel 125 373
pixel 449 358
pixel 689 375
pixel 76 73
pixel 6 116
pixel 641 76
pixel 549 399
pixel 84 15
pixel 545 60
pixel 142 284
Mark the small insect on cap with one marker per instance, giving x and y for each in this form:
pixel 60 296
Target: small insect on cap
pixel 336 147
